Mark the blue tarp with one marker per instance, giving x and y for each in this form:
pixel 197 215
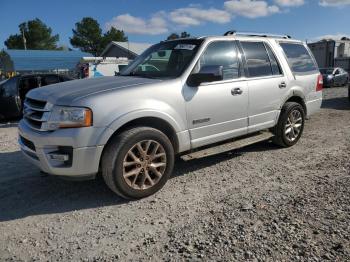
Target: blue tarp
pixel 36 60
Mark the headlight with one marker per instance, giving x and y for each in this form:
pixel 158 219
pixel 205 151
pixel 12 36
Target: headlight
pixel 68 117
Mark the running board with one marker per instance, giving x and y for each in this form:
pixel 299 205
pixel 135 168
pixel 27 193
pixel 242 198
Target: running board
pixel 261 136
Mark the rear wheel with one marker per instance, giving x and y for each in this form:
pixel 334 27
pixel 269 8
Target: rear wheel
pixel 138 162
pixel 290 125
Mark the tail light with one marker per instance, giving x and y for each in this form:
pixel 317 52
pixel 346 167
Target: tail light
pixel 319 85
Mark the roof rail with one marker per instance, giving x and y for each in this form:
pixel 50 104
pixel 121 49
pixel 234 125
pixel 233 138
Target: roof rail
pixel 233 32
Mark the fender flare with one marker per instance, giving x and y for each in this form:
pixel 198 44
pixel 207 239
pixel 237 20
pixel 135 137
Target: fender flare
pixel 134 115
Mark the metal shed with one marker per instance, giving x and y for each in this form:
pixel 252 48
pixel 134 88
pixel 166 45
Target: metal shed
pixel 39 60
pixel 129 50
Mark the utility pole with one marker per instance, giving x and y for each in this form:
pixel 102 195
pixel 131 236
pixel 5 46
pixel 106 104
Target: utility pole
pixel 24 39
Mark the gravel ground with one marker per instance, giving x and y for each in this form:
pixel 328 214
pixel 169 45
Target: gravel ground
pixel 260 203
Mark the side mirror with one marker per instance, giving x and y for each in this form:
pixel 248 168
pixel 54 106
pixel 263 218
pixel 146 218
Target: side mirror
pixel 206 74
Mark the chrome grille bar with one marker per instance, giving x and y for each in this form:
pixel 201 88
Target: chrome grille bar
pixel 35 113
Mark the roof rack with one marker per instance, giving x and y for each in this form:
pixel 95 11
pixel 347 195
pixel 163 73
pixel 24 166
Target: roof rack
pixel 233 32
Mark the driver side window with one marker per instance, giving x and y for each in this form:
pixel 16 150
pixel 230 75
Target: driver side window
pixel 221 53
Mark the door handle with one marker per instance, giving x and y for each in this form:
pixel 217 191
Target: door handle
pixel 236 91
pixel 282 85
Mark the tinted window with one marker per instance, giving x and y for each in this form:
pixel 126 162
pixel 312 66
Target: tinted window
pixel 9 88
pixel 221 54
pixel 276 69
pixel 257 59
pixel 121 67
pixel 26 84
pixel 49 80
pixel 326 70
pixel 298 57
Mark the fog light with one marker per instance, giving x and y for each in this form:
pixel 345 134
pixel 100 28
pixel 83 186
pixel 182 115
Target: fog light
pixel 59 157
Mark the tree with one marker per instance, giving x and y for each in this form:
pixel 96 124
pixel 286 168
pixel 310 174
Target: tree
pixel 113 34
pixel 176 36
pixel 33 34
pixel 185 35
pixel 173 36
pixel 87 36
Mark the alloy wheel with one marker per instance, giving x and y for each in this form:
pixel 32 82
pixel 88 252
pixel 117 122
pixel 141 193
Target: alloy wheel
pixel 293 125
pixel 144 164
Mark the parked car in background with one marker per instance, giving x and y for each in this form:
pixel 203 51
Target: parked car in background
pixel 334 76
pixel 14 90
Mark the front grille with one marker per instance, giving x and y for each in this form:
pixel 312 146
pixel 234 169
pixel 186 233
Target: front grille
pixel 27 143
pixel 35 113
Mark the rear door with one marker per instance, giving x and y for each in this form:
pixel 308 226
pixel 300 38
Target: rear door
pixel 266 82
pixel 343 76
pixel 10 104
pixel 26 84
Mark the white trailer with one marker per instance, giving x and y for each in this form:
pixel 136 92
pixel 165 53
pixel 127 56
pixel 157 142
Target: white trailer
pixel 90 67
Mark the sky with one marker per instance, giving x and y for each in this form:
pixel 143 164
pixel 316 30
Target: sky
pixel 151 21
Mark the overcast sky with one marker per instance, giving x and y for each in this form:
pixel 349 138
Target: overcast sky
pixel 153 20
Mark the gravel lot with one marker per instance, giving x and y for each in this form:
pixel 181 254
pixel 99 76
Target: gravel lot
pixel 259 203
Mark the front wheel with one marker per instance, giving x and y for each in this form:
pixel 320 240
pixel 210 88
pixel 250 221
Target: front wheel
pixel 138 162
pixel 290 125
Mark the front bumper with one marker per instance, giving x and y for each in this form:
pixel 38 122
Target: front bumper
pixel 84 153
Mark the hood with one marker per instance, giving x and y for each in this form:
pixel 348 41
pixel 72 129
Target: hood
pixel 65 93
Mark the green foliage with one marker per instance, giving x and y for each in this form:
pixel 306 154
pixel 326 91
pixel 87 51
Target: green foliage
pixel 87 36
pixel 113 34
pixel 173 36
pixel 37 35
pixel 185 35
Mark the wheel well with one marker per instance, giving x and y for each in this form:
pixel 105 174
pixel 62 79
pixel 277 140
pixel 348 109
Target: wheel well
pixel 153 122
pixel 298 100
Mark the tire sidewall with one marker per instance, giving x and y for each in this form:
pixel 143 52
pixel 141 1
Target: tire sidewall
pixel 117 170
pixel 285 118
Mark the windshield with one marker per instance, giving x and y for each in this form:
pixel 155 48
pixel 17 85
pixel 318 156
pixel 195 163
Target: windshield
pixel 326 70
pixel 3 81
pixel 164 60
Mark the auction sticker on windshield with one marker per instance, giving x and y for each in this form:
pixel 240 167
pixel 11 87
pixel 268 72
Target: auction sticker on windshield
pixel 185 46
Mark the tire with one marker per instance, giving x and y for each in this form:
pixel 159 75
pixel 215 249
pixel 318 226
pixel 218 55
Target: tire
pixel 122 157
pixel 290 111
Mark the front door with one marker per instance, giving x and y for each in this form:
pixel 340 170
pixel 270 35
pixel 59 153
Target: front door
pixel 218 110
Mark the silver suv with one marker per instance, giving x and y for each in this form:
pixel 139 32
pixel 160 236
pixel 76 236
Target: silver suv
pixel 189 97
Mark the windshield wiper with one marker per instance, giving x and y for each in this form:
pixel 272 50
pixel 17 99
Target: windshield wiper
pixel 133 73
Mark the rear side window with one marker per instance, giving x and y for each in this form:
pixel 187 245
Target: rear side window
pixel 9 87
pixel 49 80
pixel 121 67
pixel 298 57
pixel 257 59
pixel 64 78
